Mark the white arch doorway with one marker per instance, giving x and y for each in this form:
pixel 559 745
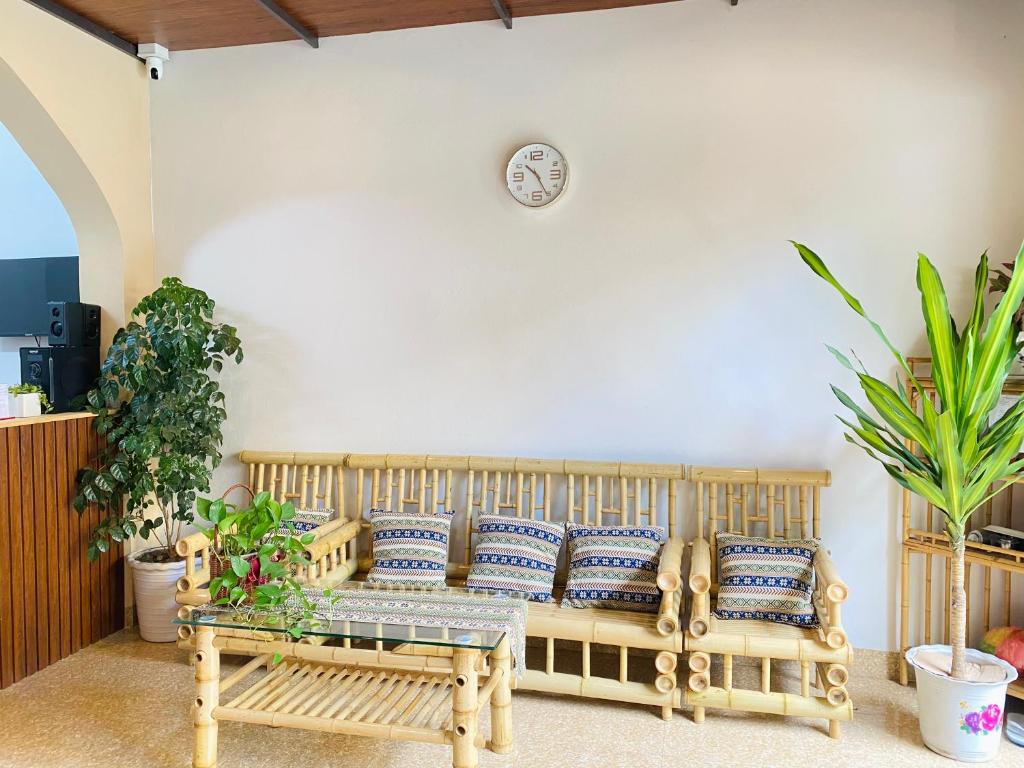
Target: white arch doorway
pixel 101 256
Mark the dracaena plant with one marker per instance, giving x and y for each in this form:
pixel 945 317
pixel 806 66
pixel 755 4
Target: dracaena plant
pixel 963 458
pixel 159 411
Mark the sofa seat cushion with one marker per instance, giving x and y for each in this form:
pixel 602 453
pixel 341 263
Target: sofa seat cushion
pixel 516 555
pixel 766 579
pixel 613 566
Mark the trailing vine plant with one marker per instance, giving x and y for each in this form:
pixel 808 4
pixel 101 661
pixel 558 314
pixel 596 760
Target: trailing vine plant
pixel 159 411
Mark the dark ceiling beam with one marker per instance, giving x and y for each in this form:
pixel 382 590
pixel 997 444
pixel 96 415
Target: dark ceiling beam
pixel 89 27
pixel 502 10
pixel 291 22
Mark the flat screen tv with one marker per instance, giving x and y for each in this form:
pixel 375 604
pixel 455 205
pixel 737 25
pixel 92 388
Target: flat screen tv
pixel 26 285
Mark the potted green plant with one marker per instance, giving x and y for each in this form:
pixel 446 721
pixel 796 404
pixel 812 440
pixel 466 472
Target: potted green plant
pixel 251 547
pixel 963 459
pixel 254 553
pixel 159 412
pixel 27 400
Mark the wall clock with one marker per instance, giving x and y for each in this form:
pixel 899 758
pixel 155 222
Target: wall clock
pixel 536 175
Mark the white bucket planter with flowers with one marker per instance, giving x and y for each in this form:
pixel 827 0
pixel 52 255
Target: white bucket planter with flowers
pixel 961 719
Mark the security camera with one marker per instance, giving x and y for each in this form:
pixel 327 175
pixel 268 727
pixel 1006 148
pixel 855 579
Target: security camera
pixel 154 55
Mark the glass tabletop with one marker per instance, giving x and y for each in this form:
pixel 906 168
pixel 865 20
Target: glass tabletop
pixel 448 617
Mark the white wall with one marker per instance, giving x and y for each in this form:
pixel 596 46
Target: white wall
pixel 33 224
pixel 346 207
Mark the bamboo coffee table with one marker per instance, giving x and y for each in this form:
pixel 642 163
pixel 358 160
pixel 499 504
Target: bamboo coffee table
pixel 430 687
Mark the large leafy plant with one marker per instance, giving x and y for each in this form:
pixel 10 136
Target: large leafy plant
pixel 159 412
pixel 963 458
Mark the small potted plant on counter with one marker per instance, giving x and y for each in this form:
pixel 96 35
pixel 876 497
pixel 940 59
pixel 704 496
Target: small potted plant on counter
pixel 27 400
pixel 964 458
pixel 159 412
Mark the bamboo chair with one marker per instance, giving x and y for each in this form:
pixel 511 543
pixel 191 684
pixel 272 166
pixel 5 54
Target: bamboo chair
pixel 777 504
pixel 590 493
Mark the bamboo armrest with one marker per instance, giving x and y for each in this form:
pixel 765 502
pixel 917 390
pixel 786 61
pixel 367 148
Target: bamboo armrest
pixel 832 587
pixel 336 537
pixel 192 544
pixel 700 567
pixel 670 566
pixel 829 594
pixel 700 585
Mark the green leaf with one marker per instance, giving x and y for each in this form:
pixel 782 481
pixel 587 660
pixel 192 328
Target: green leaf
pixel 239 566
pixel 278 658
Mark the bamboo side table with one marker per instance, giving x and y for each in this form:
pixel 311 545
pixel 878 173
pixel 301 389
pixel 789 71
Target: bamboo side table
pixel 426 689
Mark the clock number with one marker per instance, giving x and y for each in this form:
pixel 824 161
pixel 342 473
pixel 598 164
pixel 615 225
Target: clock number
pixel 518 176
pixel 537 196
pixel 556 174
pixel 537 154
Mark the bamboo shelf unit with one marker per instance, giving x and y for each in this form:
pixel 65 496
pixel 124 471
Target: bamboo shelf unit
pixel 990 572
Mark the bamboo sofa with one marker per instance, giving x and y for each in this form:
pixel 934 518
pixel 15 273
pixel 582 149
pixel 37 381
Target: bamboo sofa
pixel 775 504
pixel 584 492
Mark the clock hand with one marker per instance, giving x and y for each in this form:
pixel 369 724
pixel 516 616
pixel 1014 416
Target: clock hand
pixel 538 180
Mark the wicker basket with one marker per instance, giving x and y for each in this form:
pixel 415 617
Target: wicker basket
pixel 219 565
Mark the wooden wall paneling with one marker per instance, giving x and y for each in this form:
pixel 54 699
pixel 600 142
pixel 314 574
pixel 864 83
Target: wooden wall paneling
pixel 52 513
pixel 17 555
pixel 84 587
pixel 6 608
pixel 39 531
pixel 29 539
pixel 64 483
pixel 52 600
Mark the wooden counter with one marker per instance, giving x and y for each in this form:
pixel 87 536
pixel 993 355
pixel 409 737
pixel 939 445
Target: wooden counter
pixel 53 601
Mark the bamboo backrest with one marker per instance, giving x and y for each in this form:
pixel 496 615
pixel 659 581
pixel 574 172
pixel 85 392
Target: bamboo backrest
pixel 757 502
pixel 584 492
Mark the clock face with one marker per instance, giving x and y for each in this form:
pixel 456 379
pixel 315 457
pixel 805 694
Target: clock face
pixel 536 175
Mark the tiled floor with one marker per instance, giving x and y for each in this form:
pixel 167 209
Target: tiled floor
pixel 125 703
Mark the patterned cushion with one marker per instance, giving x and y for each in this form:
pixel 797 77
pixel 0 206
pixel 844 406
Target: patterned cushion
pixel 516 555
pixel 306 520
pixel 613 567
pixel 769 579
pixel 409 548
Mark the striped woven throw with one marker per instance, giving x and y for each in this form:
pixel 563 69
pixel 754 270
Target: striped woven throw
pixel 613 567
pixel 767 579
pixel 458 611
pixel 409 549
pixel 516 555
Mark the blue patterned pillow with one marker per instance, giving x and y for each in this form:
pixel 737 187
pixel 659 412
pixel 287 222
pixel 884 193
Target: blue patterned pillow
pixel 307 520
pixel 766 579
pixel 613 567
pixel 409 549
pixel 516 555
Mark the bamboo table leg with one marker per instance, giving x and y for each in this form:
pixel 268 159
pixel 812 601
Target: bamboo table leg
pixel 501 701
pixel 464 714
pixel 204 752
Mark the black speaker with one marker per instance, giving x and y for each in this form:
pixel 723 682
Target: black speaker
pixel 63 373
pixel 73 324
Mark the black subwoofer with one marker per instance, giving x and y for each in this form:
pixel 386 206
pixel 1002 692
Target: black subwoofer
pixel 63 373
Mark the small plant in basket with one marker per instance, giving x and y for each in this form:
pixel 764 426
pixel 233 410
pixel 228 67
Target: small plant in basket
pixel 253 551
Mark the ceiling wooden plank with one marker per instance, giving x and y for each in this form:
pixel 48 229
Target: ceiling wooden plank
pixel 189 24
pixel 86 25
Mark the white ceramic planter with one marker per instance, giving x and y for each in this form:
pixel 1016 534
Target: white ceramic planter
pixel 22 406
pixel 155 608
pixel 960 719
